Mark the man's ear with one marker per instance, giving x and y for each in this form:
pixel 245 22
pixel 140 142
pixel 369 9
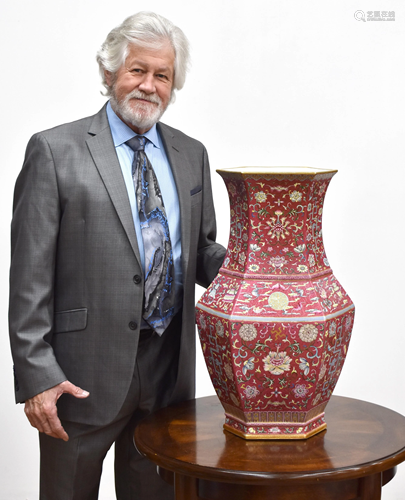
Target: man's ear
pixel 108 77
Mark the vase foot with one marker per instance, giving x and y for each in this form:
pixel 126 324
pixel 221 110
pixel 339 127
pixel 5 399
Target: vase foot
pixel 275 430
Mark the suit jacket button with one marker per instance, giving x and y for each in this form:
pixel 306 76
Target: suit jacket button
pixel 137 279
pixel 132 325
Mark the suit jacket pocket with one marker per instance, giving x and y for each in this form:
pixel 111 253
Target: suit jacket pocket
pixel 196 190
pixel 196 198
pixel 70 321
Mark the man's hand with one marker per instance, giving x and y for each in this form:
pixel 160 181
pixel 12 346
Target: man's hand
pixel 42 413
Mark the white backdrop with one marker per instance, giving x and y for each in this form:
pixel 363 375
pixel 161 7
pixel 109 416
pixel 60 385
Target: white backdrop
pixel 272 83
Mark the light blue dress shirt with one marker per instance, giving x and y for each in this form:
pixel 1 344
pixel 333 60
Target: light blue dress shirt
pixel 157 156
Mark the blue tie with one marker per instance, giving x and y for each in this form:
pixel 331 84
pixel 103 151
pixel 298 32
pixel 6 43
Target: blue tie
pixel 159 303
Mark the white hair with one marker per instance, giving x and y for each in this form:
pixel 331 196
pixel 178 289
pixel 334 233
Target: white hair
pixel 149 30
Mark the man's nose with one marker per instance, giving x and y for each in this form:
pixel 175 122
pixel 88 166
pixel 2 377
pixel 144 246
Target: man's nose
pixel 148 84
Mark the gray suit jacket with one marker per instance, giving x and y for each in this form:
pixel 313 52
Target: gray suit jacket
pixel 75 306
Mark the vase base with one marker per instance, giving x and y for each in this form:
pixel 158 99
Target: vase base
pixel 276 430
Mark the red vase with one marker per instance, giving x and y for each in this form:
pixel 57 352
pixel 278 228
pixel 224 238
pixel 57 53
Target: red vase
pixel 275 324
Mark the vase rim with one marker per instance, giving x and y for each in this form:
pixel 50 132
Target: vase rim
pixel 277 170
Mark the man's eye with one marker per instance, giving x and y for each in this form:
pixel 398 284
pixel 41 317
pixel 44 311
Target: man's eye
pixel 162 77
pixel 136 70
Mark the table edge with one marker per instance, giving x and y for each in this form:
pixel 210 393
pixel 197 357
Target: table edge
pixel 263 477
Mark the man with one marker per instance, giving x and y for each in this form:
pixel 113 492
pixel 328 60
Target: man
pixel 102 284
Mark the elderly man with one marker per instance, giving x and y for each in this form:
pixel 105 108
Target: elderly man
pixel 113 225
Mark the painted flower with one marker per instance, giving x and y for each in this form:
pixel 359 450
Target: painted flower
pixel 304 366
pixel 308 333
pixel 326 262
pixel 278 262
pixel 203 323
pixel 278 226
pixel 260 197
pixel 228 370
pixel 248 332
pixel 302 269
pixel 254 268
pixel 254 247
pixel 248 365
pixel 232 188
pixel 322 371
pixel 300 391
pixel 274 430
pixel 251 391
pixel 219 327
pixel 252 430
pixel 309 207
pixel 235 400
pixel 348 323
pixel 242 258
pixel 277 363
pixel 311 260
pixel 300 248
pixel 295 196
pixel 244 237
pixel 332 329
pixel 320 211
pixel 316 400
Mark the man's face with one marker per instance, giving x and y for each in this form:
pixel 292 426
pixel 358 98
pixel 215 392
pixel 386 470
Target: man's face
pixel 141 89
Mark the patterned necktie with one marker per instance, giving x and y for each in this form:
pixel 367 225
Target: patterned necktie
pixel 159 269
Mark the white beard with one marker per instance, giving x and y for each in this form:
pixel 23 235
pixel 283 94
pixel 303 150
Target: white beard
pixel 136 113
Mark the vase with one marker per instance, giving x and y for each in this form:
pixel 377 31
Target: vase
pixel 275 323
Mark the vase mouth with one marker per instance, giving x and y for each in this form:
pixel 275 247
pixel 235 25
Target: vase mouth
pixel 274 170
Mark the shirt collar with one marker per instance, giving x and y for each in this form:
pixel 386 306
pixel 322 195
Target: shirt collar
pixel 121 133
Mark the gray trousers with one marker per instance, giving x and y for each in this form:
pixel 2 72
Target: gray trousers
pixel 72 470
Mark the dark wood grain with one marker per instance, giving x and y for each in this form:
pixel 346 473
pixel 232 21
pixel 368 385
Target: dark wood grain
pixel 350 460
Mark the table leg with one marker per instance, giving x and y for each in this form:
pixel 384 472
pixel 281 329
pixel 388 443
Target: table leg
pixel 185 487
pixel 371 487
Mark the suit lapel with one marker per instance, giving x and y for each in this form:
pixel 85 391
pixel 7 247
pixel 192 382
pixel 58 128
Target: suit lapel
pixel 102 150
pixel 181 172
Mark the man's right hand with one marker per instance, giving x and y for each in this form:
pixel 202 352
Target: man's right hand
pixel 42 413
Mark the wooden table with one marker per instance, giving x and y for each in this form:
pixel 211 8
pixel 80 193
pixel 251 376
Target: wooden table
pixel 352 459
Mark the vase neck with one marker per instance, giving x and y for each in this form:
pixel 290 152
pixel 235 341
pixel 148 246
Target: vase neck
pixel 276 225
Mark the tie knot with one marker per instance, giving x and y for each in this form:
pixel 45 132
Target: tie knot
pixel 137 143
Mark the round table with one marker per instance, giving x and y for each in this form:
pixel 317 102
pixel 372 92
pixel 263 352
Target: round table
pixel 351 460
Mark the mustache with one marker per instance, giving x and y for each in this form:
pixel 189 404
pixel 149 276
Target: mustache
pixel 138 94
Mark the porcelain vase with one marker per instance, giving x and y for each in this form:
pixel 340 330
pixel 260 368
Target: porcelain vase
pixel 275 324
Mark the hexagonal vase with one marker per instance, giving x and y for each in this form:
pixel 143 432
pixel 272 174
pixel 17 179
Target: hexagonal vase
pixel 275 324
